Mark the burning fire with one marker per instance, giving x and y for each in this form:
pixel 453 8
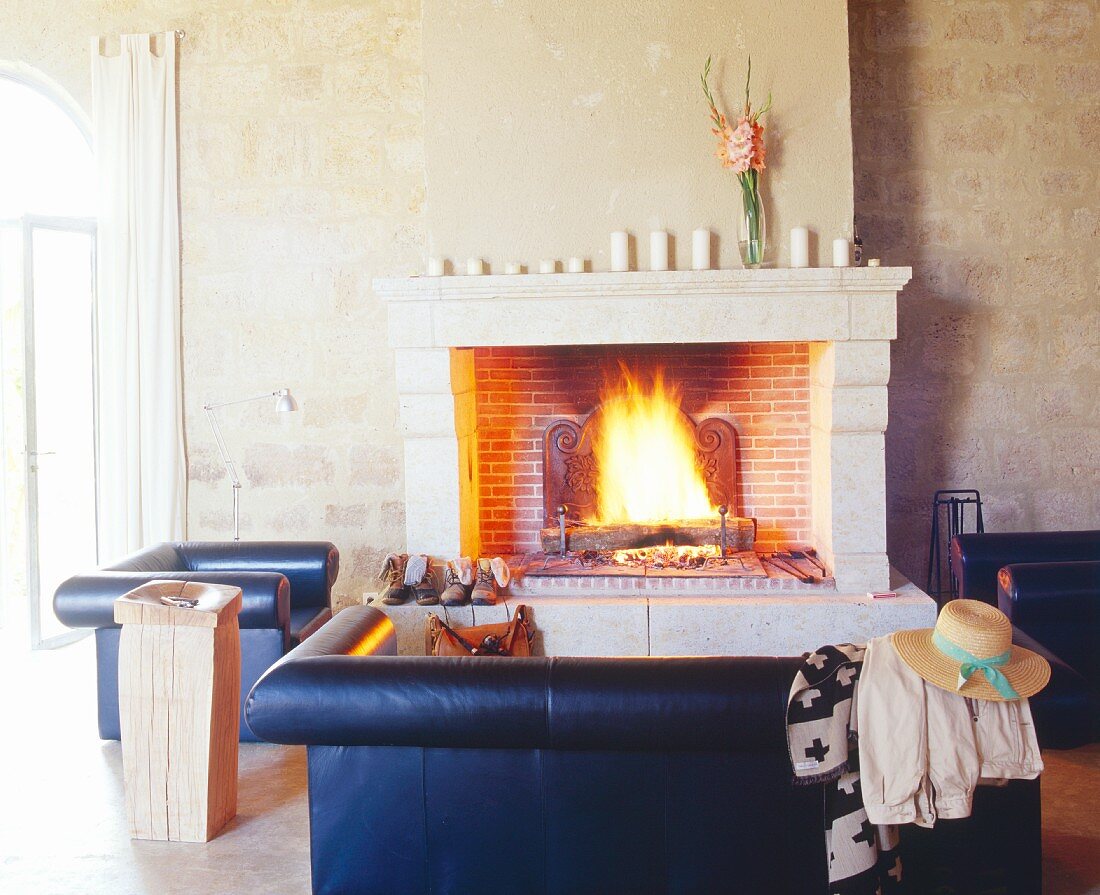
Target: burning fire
pixel 646 456
pixel 668 557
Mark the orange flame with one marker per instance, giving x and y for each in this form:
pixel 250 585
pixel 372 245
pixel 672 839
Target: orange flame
pixel 646 455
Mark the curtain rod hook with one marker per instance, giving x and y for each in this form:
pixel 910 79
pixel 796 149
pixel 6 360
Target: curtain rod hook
pixel 180 33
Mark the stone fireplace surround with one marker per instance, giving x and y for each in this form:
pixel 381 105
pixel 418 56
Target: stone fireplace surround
pixel 845 318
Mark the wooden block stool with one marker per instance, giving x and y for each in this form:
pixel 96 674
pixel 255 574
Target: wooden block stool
pixel 179 685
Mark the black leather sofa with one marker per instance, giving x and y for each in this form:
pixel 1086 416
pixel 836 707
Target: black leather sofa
pixel 286 586
pixel 579 775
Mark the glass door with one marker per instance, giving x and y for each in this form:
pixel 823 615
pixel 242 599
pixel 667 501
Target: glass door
pixel 58 311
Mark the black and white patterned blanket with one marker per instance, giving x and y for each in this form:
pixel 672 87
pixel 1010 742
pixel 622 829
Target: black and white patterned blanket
pixel 823 742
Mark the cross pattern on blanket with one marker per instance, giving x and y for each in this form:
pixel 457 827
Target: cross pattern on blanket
pixel 817 750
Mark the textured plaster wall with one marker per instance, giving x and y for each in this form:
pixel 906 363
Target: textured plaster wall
pixel 301 178
pixel 548 125
pixel 977 134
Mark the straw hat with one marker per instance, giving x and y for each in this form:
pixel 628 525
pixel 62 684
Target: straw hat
pixel 970 652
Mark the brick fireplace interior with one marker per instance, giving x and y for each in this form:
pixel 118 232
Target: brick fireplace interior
pixel 762 388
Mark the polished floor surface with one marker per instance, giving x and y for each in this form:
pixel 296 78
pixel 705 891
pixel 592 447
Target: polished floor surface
pixel 63 824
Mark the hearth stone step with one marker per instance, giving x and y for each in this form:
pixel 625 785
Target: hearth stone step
pixel 658 624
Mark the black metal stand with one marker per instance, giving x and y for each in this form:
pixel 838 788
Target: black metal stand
pixel 951 503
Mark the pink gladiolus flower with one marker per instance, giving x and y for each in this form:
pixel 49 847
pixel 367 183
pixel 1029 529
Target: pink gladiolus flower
pixel 736 151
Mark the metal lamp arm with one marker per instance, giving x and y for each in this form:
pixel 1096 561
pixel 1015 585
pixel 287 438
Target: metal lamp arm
pixel 230 466
pixel 278 393
pixel 227 459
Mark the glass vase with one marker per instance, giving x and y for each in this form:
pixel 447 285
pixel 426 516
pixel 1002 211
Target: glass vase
pixel 753 229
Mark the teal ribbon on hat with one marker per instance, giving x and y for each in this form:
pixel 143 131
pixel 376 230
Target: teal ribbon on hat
pixel 970 663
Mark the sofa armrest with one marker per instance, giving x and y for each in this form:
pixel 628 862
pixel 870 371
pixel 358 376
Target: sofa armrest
pixel 1067 710
pixel 311 567
pixel 976 558
pixel 87 601
pixel 155 558
pixel 280 706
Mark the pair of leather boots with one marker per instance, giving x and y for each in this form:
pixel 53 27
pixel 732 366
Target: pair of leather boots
pixel 464 581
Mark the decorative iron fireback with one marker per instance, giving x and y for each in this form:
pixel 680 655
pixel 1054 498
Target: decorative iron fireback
pixel 570 469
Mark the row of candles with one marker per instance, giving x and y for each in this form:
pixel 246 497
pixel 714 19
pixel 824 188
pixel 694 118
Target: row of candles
pixel 659 254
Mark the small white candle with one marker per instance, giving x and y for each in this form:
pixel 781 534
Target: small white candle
pixel 873 262
pixel 548 265
pixel 658 250
pixel 475 267
pixel 512 267
pixel 700 250
pixel 576 265
pixel 800 247
pixel 620 250
pixel 435 267
pixel 841 253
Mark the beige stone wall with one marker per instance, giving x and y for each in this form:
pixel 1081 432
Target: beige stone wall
pixel 303 165
pixel 977 134
pixel 301 178
pixel 548 125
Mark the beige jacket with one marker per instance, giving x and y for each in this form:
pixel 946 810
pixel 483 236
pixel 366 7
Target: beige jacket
pixel 922 750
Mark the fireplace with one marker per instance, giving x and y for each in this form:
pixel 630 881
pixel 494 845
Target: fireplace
pixel 499 376
pixel 747 406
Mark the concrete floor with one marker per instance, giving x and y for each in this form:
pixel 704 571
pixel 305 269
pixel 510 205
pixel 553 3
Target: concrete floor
pixel 63 824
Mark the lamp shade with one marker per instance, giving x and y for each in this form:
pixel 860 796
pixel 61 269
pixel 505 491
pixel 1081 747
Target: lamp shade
pixel 285 403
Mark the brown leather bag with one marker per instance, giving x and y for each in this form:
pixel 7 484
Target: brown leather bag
pixel 502 639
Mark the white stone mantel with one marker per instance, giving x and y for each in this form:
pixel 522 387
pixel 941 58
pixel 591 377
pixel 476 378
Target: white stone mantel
pixel 847 315
pixel 638 307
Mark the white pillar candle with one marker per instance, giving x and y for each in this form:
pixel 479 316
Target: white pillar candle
pixel 800 247
pixel 841 253
pixel 700 250
pixel 435 267
pixel 512 267
pixel 620 251
pixel 576 265
pixel 658 250
pixel 548 265
pixel 475 267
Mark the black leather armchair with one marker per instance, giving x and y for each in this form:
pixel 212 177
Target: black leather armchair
pixel 578 775
pixel 1056 606
pixel 977 558
pixel 286 587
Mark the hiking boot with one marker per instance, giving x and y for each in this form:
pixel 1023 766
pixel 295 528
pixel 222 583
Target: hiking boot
pixel 418 576
pixel 491 573
pixel 457 580
pixel 394 593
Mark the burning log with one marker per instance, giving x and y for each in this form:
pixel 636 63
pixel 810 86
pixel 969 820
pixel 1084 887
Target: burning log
pixel 740 534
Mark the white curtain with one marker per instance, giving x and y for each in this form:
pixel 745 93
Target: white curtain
pixel 142 468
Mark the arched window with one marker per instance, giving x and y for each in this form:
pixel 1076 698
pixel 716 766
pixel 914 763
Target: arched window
pixel 46 164
pixel 47 301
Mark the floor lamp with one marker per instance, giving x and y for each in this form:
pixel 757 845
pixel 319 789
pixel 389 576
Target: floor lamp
pixel 284 403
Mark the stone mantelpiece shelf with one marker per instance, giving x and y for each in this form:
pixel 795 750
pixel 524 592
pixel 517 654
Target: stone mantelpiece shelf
pixel 885 281
pixel 644 307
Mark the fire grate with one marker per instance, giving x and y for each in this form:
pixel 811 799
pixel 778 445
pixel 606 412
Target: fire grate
pixel 570 471
pixel 743 564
